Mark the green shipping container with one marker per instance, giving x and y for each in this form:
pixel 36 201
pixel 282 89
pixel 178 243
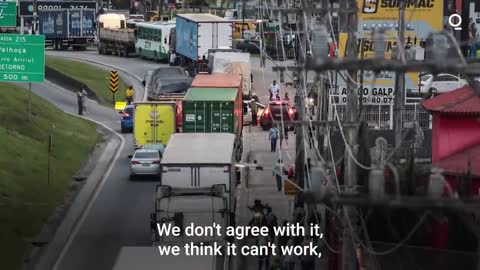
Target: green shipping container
pixel 212 110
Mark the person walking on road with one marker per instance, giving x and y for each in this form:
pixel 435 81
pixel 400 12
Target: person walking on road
pixel 273 137
pixel 274 91
pixel 278 172
pixel 129 95
pixel 254 107
pixel 80 102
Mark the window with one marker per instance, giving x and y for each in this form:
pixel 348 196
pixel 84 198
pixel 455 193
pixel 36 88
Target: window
pixel 149 155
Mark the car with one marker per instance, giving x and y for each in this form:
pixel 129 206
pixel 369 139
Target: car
pixel 126 124
pixel 145 162
pixel 249 45
pixel 273 112
pixel 247 112
pixel 441 83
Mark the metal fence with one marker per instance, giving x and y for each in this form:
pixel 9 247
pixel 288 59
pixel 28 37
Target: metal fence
pixel 380 117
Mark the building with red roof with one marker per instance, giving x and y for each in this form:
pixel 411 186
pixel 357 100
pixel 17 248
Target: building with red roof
pixel 456 134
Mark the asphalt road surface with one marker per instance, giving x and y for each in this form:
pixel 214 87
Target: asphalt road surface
pixel 120 214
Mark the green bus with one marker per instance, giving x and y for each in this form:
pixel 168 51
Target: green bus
pixel 153 40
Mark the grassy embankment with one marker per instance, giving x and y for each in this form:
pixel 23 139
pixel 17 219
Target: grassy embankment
pixel 95 78
pixel 26 197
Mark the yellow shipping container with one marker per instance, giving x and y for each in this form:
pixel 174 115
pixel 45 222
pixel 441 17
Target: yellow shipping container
pixel 153 122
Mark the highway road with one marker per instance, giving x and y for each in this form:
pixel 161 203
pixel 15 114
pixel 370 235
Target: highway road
pixel 120 214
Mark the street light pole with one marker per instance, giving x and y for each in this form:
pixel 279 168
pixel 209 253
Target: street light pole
pixel 399 95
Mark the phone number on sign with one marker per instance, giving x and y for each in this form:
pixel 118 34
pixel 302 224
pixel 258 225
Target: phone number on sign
pixel 371 100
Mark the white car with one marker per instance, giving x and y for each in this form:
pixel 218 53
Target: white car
pixel 442 83
pixel 145 162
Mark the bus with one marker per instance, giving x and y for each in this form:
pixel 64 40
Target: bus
pixel 153 40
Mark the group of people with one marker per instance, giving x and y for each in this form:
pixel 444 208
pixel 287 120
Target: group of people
pixel 264 217
pixel 82 95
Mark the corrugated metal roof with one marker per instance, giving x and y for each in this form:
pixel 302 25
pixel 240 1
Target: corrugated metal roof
pixel 457 164
pixel 460 101
pixel 209 94
pixel 202 17
pixel 217 80
pixel 199 148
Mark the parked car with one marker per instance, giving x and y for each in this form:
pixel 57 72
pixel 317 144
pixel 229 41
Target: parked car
pixel 442 83
pixel 273 112
pixel 145 162
pixel 247 112
pixel 126 124
pixel 249 45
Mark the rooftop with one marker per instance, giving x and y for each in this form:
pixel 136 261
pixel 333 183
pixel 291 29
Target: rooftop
pixel 217 80
pixel 462 101
pixel 211 94
pixel 202 17
pixel 199 148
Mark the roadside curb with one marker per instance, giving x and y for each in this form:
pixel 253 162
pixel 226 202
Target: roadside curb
pixel 46 256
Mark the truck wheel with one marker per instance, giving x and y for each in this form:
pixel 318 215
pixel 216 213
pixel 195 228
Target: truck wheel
pixel 155 57
pixel 125 51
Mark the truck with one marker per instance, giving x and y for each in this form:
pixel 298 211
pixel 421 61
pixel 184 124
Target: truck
pixel 114 36
pixel 214 110
pixel 201 160
pixel 65 28
pixel 195 34
pixel 228 61
pixel 153 122
pixel 148 258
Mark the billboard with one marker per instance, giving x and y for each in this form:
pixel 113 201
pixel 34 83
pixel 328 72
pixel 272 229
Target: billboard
pixel 422 18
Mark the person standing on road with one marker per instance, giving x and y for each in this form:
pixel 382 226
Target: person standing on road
pixel 274 90
pixel 80 102
pixel 254 107
pixel 272 137
pixel 129 95
pixel 278 172
pixel 84 99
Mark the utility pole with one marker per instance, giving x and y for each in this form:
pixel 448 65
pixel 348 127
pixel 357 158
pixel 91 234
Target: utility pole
pixel 160 8
pixel 349 255
pixel 300 99
pixel 399 96
pixel 243 17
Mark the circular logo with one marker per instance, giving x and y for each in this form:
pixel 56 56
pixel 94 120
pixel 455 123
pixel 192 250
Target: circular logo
pixel 455 21
pixel 154 115
pixel 30 8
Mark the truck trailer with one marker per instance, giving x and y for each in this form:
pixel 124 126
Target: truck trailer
pixel 114 37
pixel 195 34
pixel 64 28
pixel 214 110
pixel 153 122
pixel 200 160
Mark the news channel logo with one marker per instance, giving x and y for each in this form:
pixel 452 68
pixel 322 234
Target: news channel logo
pixel 455 21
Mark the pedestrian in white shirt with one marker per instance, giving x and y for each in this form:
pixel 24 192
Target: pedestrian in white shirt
pixel 274 90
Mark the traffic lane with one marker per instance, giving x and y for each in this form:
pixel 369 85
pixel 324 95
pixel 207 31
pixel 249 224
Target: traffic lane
pixel 134 65
pixel 67 101
pixel 119 217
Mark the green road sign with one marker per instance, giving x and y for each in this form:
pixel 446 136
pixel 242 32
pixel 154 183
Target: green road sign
pixel 8 14
pixel 22 58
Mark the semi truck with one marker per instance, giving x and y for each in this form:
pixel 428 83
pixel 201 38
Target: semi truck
pixel 201 160
pixel 214 110
pixel 153 122
pixel 229 61
pixel 195 34
pixel 64 28
pixel 114 37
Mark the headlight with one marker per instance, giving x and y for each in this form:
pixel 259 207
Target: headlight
pixel 310 100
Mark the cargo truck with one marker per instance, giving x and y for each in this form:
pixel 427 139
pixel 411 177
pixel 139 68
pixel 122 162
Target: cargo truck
pixel 153 122
pixel 214 110
pixel 195 34
pixel 201 160
pixel 64 28
pixel 114 37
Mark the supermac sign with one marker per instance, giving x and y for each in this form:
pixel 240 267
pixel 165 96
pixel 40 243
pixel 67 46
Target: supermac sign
pixel 371 6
